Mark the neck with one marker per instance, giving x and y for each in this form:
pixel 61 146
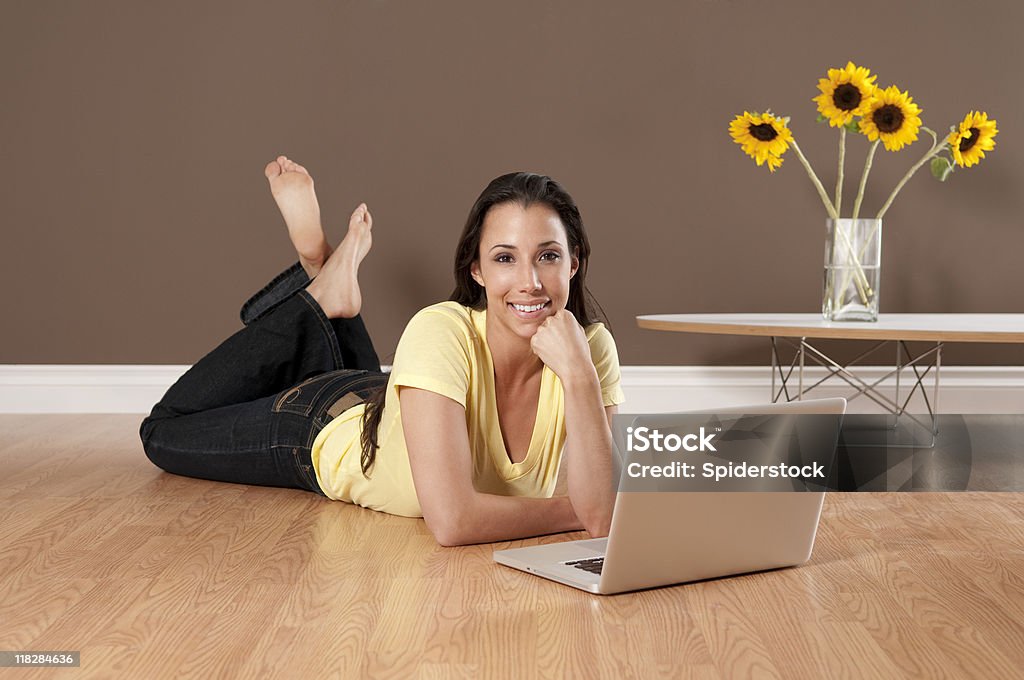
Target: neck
pixel 513 358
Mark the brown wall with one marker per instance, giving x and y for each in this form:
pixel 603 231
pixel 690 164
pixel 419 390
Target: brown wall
pixel 136 219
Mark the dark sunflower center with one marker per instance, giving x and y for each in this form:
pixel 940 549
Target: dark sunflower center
pixel 763 132
pixel 846 97
pixel 967 142
pixel 888 118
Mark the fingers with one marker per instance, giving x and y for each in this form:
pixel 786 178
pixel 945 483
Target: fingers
pixel 562 316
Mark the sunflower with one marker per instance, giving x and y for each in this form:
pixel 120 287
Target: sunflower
pixel 845 93
pixel 764 137
pixel 892 116
pixel 975 136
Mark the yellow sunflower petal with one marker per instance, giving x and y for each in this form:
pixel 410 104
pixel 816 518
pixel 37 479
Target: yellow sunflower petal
pixel 845 94
pixel 762 136
pixel 893 117
pixel 973 137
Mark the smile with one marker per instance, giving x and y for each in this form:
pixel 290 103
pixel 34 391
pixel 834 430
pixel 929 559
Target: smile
pixel 528 311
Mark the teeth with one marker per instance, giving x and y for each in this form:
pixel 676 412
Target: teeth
pixel 529 308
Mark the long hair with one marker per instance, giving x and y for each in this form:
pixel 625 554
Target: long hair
pixel 526 189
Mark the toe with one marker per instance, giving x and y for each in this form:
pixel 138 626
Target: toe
pixel 272 170
pixel 357 214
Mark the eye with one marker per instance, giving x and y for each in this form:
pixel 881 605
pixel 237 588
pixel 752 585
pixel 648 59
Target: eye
pixel 551 256
pixel 503 257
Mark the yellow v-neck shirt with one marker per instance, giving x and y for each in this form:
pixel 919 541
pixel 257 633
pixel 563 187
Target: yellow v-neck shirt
pixel 444 350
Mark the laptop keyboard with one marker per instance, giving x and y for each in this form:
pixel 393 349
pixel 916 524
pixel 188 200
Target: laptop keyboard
pixel 593 565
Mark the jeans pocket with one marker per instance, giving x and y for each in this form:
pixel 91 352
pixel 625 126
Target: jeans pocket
pixel 291 399
pixel 315 396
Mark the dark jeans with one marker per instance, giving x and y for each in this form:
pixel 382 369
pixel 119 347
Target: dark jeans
pixel 248 411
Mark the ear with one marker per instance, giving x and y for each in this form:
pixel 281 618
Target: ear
pixel 474 271
pixel 575 262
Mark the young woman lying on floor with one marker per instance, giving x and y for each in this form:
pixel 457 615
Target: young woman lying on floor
pixel 486 390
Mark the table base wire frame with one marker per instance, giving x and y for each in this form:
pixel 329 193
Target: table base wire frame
pixel 928 361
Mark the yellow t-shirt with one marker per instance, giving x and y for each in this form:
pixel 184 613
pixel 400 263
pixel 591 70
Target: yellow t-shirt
pixel 444 350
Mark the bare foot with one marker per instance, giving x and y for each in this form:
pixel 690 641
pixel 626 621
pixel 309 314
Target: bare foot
pixel 336 289
pixel 292 187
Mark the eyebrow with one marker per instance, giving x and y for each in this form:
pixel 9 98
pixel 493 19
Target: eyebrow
pixel 545 244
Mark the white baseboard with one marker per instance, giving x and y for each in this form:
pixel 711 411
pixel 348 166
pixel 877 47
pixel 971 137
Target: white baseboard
pixel 84 389
pixel 963 389
pixel 649 389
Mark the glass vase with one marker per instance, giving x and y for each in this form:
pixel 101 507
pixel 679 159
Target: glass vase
pixel 853 259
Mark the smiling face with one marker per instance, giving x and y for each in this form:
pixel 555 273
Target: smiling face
pixel 524 265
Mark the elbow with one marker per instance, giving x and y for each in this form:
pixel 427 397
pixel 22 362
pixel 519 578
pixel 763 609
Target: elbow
pixel 446 537
pixel 596 521
pixel 599 528
pixel 449 528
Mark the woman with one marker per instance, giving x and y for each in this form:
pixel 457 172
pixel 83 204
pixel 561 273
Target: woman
pixel 467 430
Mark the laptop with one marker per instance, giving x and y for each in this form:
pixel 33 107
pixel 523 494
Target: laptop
pixel 661 538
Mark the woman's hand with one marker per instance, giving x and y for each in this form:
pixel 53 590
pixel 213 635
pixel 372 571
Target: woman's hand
pixel 561 344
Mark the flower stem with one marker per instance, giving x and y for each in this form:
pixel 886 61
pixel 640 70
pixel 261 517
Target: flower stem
pixel 860 279
pixel 864 179
pixel 853 259
pixel 817 182
pixel 937 148
pixel 839 178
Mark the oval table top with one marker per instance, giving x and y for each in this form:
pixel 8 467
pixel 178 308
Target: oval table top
pixel 1008 328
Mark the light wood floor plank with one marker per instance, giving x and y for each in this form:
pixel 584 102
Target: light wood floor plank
pixel 733 635
pixel 158 576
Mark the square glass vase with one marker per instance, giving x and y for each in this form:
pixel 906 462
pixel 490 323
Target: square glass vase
pixel 853 262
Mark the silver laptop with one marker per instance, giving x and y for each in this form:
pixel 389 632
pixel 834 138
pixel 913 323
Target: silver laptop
pixel 663 538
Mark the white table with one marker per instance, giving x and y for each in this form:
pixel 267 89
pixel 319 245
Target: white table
pixel 890 328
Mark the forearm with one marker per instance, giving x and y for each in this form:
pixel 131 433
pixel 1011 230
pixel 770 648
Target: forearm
pixel 589 451
pixel 441 463
pixel 486 518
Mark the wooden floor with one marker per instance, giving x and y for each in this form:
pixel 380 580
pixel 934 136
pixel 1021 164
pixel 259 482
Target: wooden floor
pixel 151 575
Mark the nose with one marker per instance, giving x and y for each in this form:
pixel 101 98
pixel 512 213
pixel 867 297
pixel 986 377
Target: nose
pixel 529 280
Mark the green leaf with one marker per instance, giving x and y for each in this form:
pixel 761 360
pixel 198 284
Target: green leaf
pixel 941 168
pixel 821 118
pixel 853 126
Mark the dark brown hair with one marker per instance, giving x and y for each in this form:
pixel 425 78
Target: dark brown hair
pixel 526 189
